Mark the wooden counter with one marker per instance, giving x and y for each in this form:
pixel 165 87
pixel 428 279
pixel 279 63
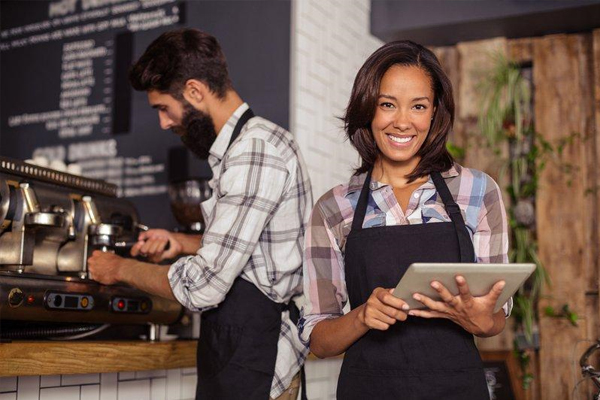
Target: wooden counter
pixel 55 358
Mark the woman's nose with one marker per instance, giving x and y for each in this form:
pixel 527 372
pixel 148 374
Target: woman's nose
pixel 401 122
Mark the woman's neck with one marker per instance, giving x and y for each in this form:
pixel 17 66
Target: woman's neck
pixel 396 173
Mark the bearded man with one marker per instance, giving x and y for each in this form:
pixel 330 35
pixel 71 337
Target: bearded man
pixel 243 272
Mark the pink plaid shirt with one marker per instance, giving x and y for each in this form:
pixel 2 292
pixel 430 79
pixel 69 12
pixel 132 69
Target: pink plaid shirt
pixel 477 195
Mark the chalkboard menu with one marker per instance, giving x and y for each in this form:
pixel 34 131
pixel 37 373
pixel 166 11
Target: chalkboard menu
pixel 65 93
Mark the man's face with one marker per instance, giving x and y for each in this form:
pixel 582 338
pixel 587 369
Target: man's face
pixel 195 128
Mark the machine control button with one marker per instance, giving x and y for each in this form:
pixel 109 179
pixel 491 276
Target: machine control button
pixel 131 305
pixel 15 297
pixel 69 301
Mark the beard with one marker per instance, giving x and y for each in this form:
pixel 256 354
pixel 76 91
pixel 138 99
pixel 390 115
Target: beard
pixel 197 131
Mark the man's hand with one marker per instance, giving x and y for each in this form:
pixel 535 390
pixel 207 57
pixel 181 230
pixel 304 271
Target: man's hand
pixel 153 245
pixel 382 309
pixel 106 267
pixel 474 314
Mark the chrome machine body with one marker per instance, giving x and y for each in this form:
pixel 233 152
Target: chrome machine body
pixel 50 222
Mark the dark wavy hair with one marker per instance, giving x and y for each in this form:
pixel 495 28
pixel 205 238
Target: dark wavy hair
pixel 363 102
pixel 177 56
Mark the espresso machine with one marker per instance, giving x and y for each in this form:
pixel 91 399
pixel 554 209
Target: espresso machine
pixel 50 223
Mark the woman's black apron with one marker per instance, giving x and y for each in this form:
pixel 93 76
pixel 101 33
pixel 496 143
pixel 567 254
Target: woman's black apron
pixel 238 340
pixel 419 358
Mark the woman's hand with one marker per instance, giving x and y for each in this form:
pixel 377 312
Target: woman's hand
pixel 382 309
pixel 474 314
pixel 153 245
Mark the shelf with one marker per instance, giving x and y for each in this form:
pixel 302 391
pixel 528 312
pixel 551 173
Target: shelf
pixel 55 358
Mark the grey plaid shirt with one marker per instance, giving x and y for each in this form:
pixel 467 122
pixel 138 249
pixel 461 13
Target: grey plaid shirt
pixel 255 219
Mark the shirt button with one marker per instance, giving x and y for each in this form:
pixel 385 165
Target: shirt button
pixel 416 195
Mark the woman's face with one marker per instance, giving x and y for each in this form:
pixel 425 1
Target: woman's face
pixel 403 115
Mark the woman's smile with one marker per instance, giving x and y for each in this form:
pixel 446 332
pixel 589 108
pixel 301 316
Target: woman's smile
pixel 400 141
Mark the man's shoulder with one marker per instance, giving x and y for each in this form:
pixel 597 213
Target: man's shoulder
pixel 276 137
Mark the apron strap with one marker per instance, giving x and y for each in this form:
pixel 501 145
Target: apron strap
pixel 240 124
pixel 467 254
pixel 361 206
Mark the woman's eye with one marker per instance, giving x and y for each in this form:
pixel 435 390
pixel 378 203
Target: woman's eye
pixel 386 105
pixel 420 107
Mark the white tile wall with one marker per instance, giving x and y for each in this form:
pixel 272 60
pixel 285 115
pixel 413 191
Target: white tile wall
pixel 139 390
pixel 108 386
pixel 330 41
pixel 144 385
pixel 60 393
pixel 50 381
pixel 28 387
pixel 8 384
pixel 82 379
pixel 158 389
pixel 90 392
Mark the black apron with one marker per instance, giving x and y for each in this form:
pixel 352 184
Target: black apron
pixel 238 340
pixel 419 358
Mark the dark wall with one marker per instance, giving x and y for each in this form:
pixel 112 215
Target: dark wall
pixel 116 135
pixel 447 22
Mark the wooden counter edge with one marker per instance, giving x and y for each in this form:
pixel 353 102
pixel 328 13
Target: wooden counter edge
pixel 56 358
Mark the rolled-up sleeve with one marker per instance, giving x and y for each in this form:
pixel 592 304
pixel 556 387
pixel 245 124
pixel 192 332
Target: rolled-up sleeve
pixel 251 184
pixel 491 236
pixel 323 273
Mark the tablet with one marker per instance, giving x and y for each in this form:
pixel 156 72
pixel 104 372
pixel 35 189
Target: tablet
pixel 480 278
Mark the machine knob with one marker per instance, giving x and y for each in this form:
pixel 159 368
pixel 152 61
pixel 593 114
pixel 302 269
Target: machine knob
pixel 15 297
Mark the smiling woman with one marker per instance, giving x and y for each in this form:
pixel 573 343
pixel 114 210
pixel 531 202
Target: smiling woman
pixel 408 202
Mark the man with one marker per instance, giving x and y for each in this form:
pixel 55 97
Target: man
pixel 246 268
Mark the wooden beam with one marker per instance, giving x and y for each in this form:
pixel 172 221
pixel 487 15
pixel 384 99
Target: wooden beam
pixel 563 80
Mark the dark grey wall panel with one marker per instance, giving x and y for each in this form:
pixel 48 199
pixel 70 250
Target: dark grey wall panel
pixel 255 36
pixel 444 22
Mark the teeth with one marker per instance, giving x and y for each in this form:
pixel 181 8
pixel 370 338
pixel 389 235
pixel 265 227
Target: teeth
pixel 400 140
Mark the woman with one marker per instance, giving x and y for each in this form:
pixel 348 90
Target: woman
pixel 408 202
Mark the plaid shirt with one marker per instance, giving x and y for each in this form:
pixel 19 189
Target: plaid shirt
pixel 477 195
pixel 255 223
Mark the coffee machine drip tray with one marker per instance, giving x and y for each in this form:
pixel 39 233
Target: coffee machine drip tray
pixel 36 297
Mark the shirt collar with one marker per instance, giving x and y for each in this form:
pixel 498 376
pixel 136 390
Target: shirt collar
pixel 357 181
pixel 219 147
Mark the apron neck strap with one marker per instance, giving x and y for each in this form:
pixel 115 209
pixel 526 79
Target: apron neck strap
pixel 440 185
pixel 467 254
pixel 361 206
pixel 239 125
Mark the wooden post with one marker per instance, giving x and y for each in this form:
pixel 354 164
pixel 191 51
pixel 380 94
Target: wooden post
pixel 563 79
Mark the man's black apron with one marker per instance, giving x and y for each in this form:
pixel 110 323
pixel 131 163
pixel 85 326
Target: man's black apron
pixel 238 340
pixel 419 358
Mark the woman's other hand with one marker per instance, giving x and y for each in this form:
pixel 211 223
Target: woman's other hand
pixel 382 309
pixel 474 314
